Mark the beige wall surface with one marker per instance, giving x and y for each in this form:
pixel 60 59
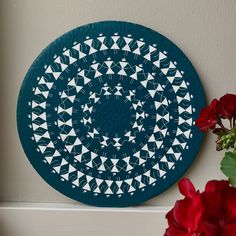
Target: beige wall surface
pixel 204 30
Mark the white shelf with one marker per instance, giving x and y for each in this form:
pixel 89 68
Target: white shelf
pixel 79 207
pixel 49 219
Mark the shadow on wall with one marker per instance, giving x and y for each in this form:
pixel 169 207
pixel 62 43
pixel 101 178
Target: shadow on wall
pixel 8 87
pixel 3 93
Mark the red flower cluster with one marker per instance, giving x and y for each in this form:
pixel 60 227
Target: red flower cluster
pixel 210 213
pixel 227 106
pixel 224 108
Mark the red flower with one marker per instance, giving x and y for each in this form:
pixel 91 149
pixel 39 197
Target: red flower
pixel 185 219
pixel 210 213
pixel 219 200
pixel 227 106
pixel 208 116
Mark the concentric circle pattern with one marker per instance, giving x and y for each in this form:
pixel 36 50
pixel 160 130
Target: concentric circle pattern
pixel 106 114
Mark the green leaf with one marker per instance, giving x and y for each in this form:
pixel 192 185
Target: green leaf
pixel 228 167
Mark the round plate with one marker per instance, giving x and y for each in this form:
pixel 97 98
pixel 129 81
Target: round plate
pixel 106 113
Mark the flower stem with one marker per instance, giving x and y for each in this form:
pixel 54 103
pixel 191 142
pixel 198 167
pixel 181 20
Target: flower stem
pixel 221 125
pixel 234 122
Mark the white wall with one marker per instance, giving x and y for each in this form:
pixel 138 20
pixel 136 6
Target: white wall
pixel 204 30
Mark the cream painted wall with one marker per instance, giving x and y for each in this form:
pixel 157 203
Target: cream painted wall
pixel 204 30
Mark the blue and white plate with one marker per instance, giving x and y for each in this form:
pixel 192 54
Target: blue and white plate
pixel 106 114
